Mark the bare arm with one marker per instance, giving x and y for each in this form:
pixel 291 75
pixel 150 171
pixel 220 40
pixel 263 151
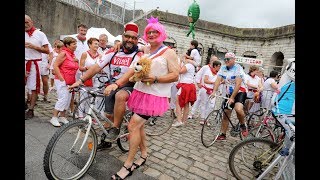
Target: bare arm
pixel 59 60
pixel 83 58
pixel 42 49
pixel 50 57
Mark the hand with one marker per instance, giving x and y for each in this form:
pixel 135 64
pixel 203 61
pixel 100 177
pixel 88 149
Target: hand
pixel 230 101
pixel 74 85
pixel 117 46
pixel 148 79
pixel 146 48
pixel 29 45
pixel 111 87
pixel 212 95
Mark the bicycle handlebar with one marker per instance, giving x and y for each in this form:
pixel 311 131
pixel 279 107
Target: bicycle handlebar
pixel 226 104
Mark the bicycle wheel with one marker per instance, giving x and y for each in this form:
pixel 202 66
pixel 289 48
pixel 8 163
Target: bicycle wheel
pixel 63 158
pixel 82 107
pixel 253 120
pixel 123 140
pixel 158 125
pixel 251 157
pixel 263 132
pixel 211 128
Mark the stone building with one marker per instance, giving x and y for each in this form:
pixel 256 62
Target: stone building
pixel 271 45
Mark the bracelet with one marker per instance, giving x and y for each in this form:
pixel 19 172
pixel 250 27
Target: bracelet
pixel 117 84
pixel 81 80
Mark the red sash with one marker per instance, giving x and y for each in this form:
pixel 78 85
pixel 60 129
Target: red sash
pixel 28 68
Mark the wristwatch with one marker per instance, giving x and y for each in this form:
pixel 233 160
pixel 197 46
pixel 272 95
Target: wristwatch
pixel 155 80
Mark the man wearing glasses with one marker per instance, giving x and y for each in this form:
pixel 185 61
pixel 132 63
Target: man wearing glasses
pixel 120 64
pixel 233 74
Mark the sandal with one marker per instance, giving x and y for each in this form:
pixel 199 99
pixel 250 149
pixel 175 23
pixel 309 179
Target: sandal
pixel 117 177
pixel 136 166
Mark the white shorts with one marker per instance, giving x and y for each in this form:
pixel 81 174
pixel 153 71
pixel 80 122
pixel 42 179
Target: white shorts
pixel 63 95
pixel 32 77
pixel 44 71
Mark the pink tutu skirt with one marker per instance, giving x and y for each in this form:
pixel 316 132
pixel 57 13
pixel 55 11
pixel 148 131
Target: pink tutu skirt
pixel 147 104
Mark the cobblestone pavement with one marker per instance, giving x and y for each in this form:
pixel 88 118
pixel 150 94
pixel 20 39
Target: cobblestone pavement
pixel 177 154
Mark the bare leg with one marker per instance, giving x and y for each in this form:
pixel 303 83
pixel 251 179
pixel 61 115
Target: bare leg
pixel 178 110
pixel 240 113
pixel 120 107
pixel 185 113
pixel 225 121
pixel 33 99
pixel 45 85
pixel 134 127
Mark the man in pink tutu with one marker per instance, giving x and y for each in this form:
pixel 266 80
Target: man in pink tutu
pixel 150 95
pixel 120 65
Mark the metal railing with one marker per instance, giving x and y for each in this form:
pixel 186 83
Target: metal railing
pixel 114 10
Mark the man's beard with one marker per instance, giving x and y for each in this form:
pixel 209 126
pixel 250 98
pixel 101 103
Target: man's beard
pixel 129 49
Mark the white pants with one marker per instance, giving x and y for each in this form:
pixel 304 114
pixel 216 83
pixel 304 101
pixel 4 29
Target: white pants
pixel 32 77
pixel 173 97
pixel 206 104
pixel 63 95
pixel 196 104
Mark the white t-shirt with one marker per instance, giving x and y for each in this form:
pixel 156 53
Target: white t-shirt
pixel 211 77
pixel 120 63
pixel 188 77
pixel 199 74
pixel 196 56
pixel 38 38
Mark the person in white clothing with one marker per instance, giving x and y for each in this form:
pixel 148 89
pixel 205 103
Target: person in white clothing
pixel 88 59
pixel 269 87
pixel 58 45
pixel 36 42
pixel 209 78
pixel 103 49
pixel 82 46
pixel 186 94
pixel 194 57
pixel 45 65
pixel 254 86
pixel 174 90
pixel 199 81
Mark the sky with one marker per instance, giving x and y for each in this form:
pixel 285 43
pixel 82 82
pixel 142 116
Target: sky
pixel 236 13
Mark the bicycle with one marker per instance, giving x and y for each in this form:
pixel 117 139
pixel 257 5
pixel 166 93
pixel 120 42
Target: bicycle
pixel 212 124
pixel 257 157
pixel 72 149
pixel 156 125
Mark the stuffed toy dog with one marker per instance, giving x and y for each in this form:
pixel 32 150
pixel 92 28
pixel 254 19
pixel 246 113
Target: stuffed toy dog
pixel 141 69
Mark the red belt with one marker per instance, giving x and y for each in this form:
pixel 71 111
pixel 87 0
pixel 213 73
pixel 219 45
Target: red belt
pixel 253 90
pixel 28 68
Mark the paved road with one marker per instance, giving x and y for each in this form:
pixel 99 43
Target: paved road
pixel 178 154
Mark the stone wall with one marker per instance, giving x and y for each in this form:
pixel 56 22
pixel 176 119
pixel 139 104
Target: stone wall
pixel 56 18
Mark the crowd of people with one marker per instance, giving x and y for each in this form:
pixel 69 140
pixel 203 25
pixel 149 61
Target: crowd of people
pixel 176 82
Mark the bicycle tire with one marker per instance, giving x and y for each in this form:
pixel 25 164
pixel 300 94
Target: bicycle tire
pixel 262 131
pixel 211 128
pixel 158 125
pixel 123 140
pixel 251 166
pixel 60 157
pixel 100 104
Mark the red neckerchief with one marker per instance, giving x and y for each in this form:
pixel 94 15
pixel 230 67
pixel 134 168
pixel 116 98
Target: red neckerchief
pixel 81 38
pixel 69 51
pixel 212 70
pixel 93 56
pixel 30 31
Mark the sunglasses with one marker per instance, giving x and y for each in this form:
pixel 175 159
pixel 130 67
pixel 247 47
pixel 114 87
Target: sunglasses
pixel 132 37
pixel 227 59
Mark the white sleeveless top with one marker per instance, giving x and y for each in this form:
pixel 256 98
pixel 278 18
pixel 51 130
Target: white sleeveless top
pixel 159 67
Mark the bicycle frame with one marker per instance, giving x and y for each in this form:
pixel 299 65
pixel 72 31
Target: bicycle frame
pixel 222 110
pixel 283 155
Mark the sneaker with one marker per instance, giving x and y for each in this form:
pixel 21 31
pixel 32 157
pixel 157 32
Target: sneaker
pixel 221 137
pixel 190 117
pixel 244 130
pixel 63 120
pixel 113 134
pixel 104 145
pixel 29 114
pixel 55 121
pixel 177 124
pixel 201 121
pixel 45 100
